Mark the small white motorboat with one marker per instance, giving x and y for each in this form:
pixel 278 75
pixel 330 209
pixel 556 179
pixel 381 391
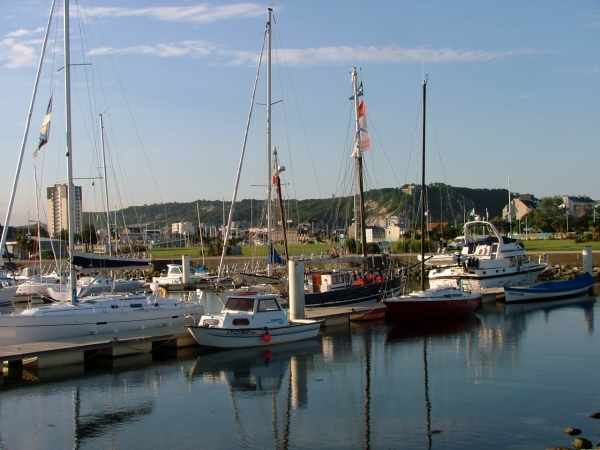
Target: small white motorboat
pixel 251 319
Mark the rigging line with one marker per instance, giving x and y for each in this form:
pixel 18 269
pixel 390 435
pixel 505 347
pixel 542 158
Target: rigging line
pixel 287 135
pixel 372 126
pixel 135 127
pixel 278 37
pixel 429 110
pixel 416 129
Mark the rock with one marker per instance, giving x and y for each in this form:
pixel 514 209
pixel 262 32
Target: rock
pixel 582 443
pixel 562 447
pixel 595 415
pixel 573 431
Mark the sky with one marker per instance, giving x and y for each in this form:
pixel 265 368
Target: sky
pixel 512 97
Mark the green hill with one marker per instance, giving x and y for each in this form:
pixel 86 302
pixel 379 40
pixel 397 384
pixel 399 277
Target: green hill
pixel 443 202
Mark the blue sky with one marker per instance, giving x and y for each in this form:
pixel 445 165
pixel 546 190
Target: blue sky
pixel 513 92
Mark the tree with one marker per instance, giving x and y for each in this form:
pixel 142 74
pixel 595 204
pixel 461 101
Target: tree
pixel 89 236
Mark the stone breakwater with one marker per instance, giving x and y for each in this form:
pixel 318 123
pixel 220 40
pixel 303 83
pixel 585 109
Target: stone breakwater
pixel 561 272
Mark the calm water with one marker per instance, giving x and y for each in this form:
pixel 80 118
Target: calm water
pixel 510 377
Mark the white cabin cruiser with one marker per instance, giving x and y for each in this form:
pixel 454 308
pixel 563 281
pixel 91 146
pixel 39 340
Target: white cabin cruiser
pixel 251 320
pixel 487 260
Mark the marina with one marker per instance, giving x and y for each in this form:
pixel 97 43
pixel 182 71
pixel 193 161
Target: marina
pixel 379 335
pixel 483 380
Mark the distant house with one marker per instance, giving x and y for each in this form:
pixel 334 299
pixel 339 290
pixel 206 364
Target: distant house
pixel 435 227
pixel 375 234
pixel 520 206
pixel 579 206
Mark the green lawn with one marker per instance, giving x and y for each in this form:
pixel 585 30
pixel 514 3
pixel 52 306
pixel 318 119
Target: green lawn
pixel 248 251
pixel 541 245
pixel 553 245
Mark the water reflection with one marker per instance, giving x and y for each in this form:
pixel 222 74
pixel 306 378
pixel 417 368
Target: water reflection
pixel 427 332
pixel 433 384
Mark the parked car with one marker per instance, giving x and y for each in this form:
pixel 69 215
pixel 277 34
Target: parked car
pixel 457 244
pixel 384 247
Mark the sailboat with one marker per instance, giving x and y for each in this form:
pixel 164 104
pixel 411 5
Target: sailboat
pixel 268 276
pixel 342 286
pixel 94 315
pixel 437 302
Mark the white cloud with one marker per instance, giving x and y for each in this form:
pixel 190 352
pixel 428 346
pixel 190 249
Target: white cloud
pixel 381 55
pixel 20 33
pixel 17 54
pixel 185 48
pixel 202 13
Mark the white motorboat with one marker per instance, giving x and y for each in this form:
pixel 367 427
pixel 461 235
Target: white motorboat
pixel 251 320
pixel 487 260
pixel 95 315
pixel 175 275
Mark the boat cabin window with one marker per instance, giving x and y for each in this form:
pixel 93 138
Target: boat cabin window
pixel 241 322
pixel 176 270
pixel 269 304
pixel 239 304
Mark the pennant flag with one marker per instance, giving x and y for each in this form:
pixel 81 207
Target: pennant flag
pixel 472 212
pixel 45 131
pixel 365 142
pixel 426 213
pixel 360 92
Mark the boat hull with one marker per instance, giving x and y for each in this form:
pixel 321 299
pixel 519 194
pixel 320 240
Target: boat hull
pixel 550 290
pixel 254 337
pixel 59 324
pixel 425 308
pixel 7 294
pixel 483 279
pixel 355 293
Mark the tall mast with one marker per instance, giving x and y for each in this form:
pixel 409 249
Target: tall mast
pixel 200 233
pixel 105 187
pixel 277 181
pixel 423 190
pixel 269 218
pixel 359 167
pixel 70 186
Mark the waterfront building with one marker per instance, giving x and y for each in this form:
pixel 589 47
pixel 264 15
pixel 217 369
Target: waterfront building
pixel 58 209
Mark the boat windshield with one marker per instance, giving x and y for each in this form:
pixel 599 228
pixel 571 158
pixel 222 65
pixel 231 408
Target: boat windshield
pixel 239 304
pixel 268 304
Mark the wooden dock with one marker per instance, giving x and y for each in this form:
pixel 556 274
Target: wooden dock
pixel 74 351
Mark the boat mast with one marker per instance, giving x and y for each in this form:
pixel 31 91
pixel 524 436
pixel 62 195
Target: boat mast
pixel 239 171
pixel 359 167
pixel 105 187
pixel 423 191
pixel 269 218
pixel 277 181
pixel 200 233
pixel 70 185
pixel 24 142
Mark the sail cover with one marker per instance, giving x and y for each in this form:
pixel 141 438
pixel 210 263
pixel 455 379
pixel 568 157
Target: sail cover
pixel 91 262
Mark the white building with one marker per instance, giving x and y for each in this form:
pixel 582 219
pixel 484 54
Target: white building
pixel 182 228
pixel 58 209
